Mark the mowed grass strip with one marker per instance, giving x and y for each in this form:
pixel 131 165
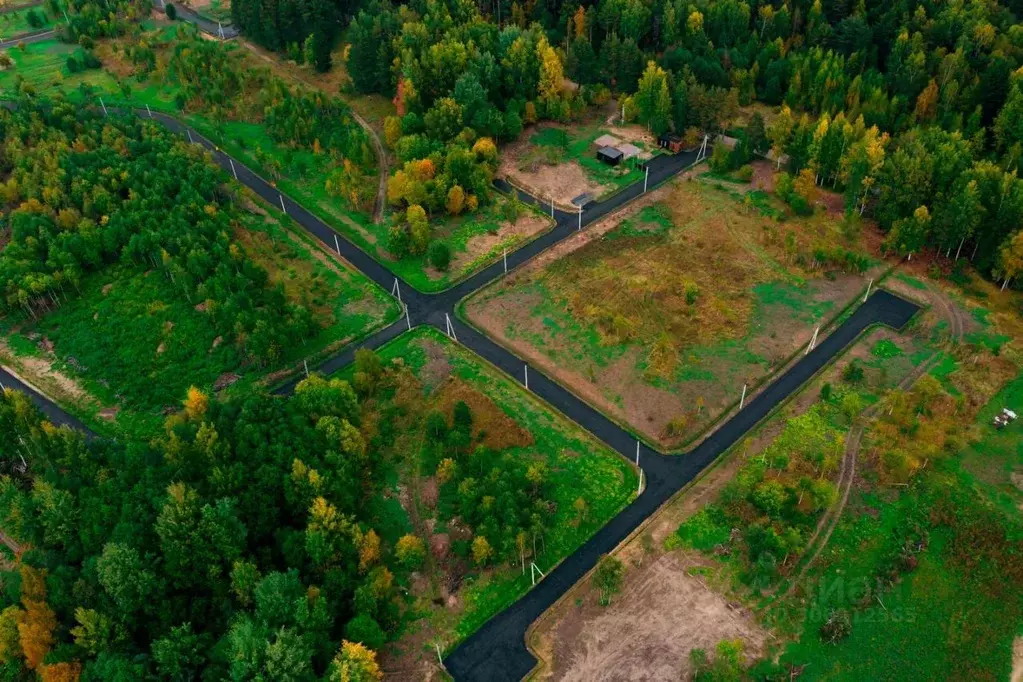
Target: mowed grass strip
pixel 662 320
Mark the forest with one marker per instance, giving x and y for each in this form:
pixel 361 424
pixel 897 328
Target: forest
pixel 912 109
pixel 88 192
pixel 245 541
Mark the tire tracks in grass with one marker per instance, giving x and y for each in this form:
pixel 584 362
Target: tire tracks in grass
pixel 847 475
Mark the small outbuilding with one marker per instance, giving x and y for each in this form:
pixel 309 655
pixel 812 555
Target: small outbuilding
pixel 671 142
pixel 610 156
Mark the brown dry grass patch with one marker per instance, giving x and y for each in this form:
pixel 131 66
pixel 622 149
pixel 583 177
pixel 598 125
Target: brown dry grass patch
pixel 491 427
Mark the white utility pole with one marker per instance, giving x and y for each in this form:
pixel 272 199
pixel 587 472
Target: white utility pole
pixel 552 206
pixel 283 208
pixel 506 261
pixel 868 289
pixel 451 327
pixel 813 341
pixel 742 400
pixel 580 217
pixel 234 171
pixel 337 244
pixel 395 290
pixel 526 374
pixel 149 111
pixel 103 105
pixel 639 488
pixel 533 570
pixel 305 363
pixel 408 320
pixel 646 178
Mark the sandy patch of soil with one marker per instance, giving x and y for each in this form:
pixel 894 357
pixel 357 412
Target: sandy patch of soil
pixel 523 230
pixel 632 133
pixel 763 175
pixel 38 372
pixel 563 182
pixel 1017 660
pixel 661 615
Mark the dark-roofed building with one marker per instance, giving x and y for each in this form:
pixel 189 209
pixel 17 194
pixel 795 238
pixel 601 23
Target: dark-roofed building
pixel 671 142
pixel 610 155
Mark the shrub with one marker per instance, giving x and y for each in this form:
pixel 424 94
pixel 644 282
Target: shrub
pixel 33 18
pixel 171 10
pixel 608 577
pixel 745 173
pixel 440 256
pixel 398 241
pixel 837 627
pixel 853 373
pixel 72 64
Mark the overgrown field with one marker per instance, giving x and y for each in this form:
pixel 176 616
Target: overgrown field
pixel 662 320
pixel 532 484
pixel 134 344
pixel 23 21
pixel 921 570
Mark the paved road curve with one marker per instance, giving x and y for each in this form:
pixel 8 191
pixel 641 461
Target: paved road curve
pixel 497 651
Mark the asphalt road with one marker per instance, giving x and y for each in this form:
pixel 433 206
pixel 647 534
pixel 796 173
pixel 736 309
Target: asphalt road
pixel 497 651
pixel 53 413
pixel 28 38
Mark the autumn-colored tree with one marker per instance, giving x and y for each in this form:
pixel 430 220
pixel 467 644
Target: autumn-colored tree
pixel 1010 259
pixel 419 229
pixel 354 663
pixel 481 551
pixel 927 103
pixel 552 76
pixel 411 551
pixel 369 550
pixel 579 22
pixel 61 672
pixel 446 470
pixel 456 200
pixel 392 131
pixel 196 403
pixel 38 621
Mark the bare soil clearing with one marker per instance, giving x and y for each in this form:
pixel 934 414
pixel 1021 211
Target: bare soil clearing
pixel 563 182
pixel 648 631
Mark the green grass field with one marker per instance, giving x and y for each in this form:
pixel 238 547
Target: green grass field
pixel 642 324
pixel 133 342
pixel 579 467
pixel 17 23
